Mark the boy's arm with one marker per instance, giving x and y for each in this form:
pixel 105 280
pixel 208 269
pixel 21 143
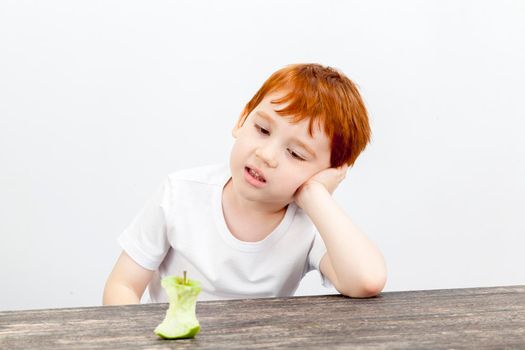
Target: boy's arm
pixel 126 283
pixel 352 263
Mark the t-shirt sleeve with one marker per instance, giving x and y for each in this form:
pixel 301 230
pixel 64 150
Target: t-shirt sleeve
pixel 317 252
pixel 145 239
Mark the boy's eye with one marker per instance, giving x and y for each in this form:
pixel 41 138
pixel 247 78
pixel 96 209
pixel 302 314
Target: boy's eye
pixel 295 155
pixel 262 130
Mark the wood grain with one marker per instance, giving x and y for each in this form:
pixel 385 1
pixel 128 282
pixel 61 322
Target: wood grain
pixel 474 318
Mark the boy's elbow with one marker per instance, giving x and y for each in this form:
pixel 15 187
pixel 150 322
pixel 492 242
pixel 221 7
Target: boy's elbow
pixel 372 288
pixel 367 288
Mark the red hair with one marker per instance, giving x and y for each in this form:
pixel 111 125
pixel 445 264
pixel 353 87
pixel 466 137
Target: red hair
pixel 327 97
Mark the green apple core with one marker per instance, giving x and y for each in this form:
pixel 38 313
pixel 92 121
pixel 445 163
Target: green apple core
pixel 180 320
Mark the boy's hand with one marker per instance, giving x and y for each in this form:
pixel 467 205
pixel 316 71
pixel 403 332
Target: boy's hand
pixel 329 179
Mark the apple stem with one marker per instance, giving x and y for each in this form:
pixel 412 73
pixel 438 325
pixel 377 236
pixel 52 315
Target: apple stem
pixel 184 277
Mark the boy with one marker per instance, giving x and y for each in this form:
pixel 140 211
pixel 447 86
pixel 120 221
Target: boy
pixel 255 228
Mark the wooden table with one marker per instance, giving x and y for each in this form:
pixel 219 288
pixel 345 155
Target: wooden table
pixel 476 318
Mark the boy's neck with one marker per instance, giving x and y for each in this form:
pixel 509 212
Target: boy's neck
pixel 247 220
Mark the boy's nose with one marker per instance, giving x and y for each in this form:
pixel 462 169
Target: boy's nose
pixel 267 154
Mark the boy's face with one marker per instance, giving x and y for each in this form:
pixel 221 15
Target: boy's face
pixel 271 157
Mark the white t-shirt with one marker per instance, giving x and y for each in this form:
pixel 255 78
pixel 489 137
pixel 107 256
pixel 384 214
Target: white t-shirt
pixel 182 227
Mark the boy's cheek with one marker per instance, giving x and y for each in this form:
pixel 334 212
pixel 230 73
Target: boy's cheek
pixel 288 185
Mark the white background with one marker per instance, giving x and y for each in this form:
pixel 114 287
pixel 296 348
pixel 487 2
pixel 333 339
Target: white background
pixel 100 100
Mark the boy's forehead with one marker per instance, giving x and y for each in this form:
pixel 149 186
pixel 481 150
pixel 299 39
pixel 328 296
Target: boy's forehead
pixel 290 120
pixel 270 104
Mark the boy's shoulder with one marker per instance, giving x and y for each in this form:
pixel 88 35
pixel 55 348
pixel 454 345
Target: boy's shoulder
pixel 214 174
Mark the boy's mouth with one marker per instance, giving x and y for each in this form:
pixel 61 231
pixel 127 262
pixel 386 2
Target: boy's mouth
pixel 256 174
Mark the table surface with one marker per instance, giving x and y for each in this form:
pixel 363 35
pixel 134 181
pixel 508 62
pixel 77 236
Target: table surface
pixel 479 318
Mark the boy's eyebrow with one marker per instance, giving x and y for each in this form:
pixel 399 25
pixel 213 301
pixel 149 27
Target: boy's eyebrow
pixel 295 139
